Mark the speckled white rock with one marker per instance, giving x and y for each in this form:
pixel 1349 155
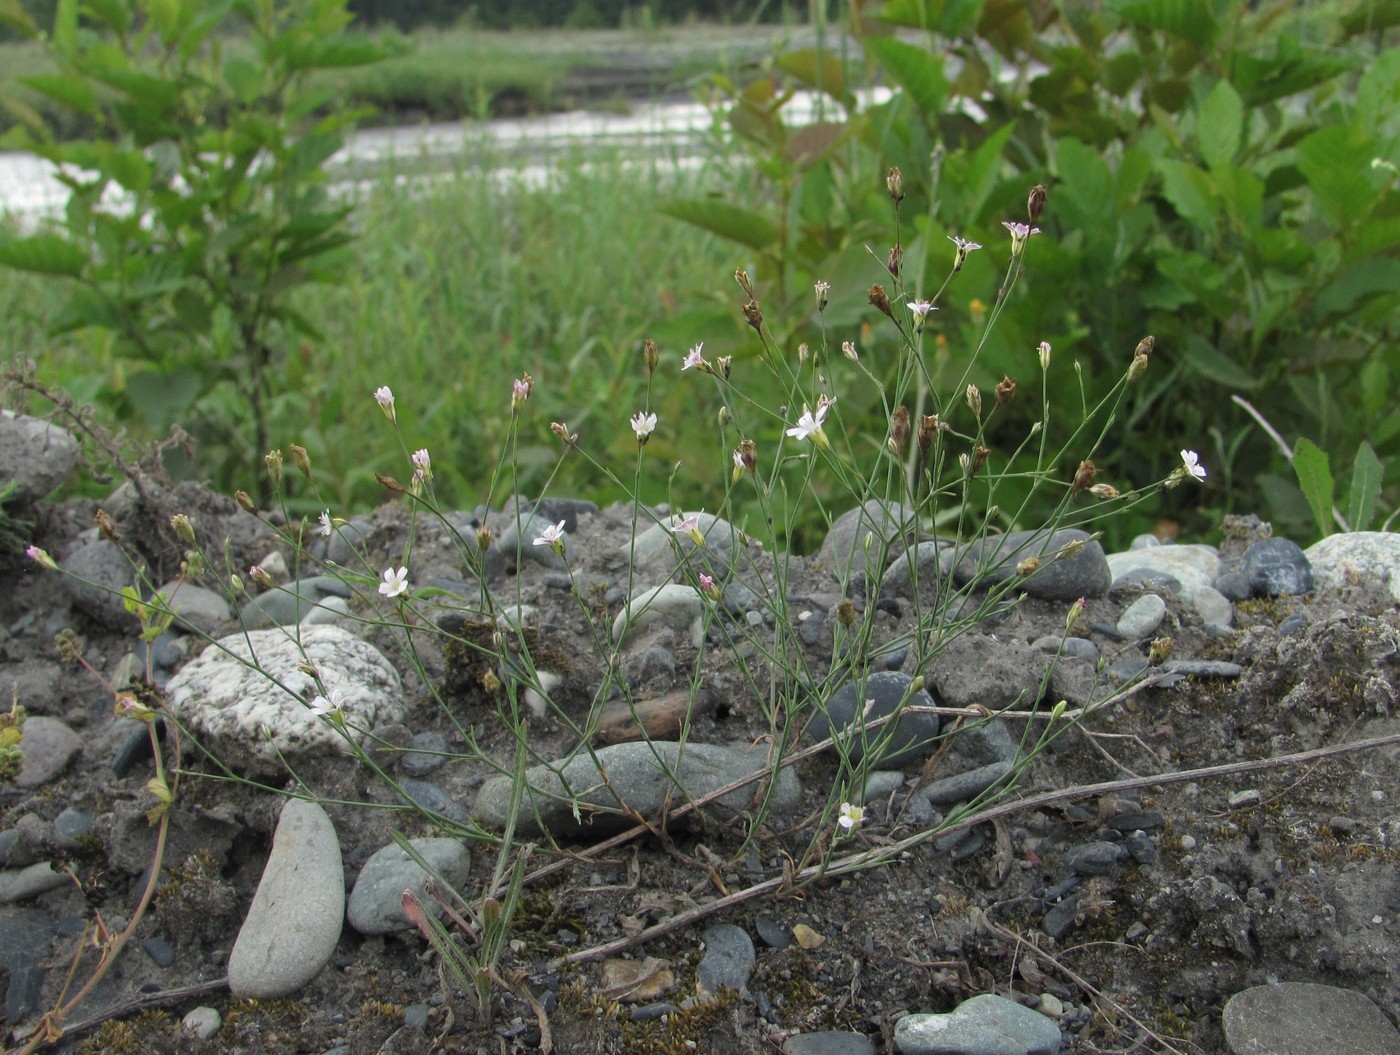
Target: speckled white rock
pixel 36 454
pixel 246 719
pixel 1369 555
pixel 295 919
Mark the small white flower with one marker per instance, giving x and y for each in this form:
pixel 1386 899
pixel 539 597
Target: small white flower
pixel 809 425
pixel 694 358
pixel 690 525
pixel 850 816
pixel 920 310
pixel 326 527
pixel 394 582
pixel 1019 233
pixel 643 424
pixel 1191 462
pixel 553 537
pixel 327 705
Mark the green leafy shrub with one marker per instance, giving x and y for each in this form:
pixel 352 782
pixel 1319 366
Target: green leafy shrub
pixel 1211 182
pixel 200 205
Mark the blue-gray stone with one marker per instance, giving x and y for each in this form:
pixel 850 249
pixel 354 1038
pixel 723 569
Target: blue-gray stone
pixel 773 933
pixel 161 952
pixel 1233 585
pixel 992 561
pixel 426 752
pixel 70 826
pixel 1277 567
pixel 1292 625
pixel 287 605
pixel 1129 822
pixel 1303 1018
pixel 565 509
pixel 136 748
pixel 828 1042
pixel 36 455
pixel 1067 647
pixel 22 996
pixel 376 903
pixel 1142 848
pixel 652 1012
pixel 433 799
pixel 1145 578
pixel 49 745
pixel 1142 617
pixel 914 735
pixel 728 960
pixel 347 543
pixel 93 576
pixel 890 526
pixel 985 1025
pixel 965 786
pixel 415 1017
pixel 1096 858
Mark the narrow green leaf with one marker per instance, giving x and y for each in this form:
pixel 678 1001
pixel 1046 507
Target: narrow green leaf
pixel 1365 487
pixel 913 69
pixel 43 254
pixel 728 221
pixel 71 92
pixel 1219 125
pixel 13 15
pixel 65 29
pixel 1315 478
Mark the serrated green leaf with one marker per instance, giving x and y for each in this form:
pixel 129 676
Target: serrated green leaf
pixel 1315 478
pixel 43 254
pixel 1336 161
pixel 1085 189
pixel 1219 125
pixel 914 70
pixel 728 221
pixel 1191 20
pixel 1190 192
pixel 818 68
pixel 1365 487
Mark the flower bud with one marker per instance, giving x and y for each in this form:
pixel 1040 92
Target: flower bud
pixel 742 277
pixel 1137 367
pixel 182 527
pixel 1029 566
pixel 107 526
pixel 974 400
pixel 1058 711
pixel 1145 346
pixel 261 577
pixel 753 314
pixel 193 565
pixel 1104 491
pixel 880 299
pixel 562 431
pixel 979 459
pixel 822 289
pixel 845 612
pixel 1005 390
pixel 748 454
pixel 390 484
pixel 1043 352
pixel 899 430
pixel 894 183
pixel 1083 477
pixel 1076 610
pixel 241 497
pixel 929 427
pixel 848 349
pixel 724 362
pixel 895 261
pixel 235 585
pixel 301 460
pixel 1035 203
pixel 725 415
pixel 651 355
pixel 803 353
pixel 41 558
pixel 273 461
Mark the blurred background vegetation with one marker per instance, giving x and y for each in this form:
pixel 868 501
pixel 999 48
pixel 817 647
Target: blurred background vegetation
pixel 1221 174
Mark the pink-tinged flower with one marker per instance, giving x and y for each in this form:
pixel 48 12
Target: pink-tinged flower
pixel 694 358
pixel 520 390
pixel 1191 465
pixel 384 396
pixel 1043 352
pixel 850 816
pixel 809 425
pixel 1075 613
pixel 920 310
pixel 963 248
pixel 643 424
pixel 689 525
pixel 708 587
pixel 41 558
pixel 326 526
pixel 553 537
pixel 422 467
pixel 395 583
pixel 259 575
pixel 1019 233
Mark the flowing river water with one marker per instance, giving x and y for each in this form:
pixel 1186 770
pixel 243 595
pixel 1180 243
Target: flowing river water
pixel 30 189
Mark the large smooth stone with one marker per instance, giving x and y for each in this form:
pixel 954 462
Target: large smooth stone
pixel 991 561
pixel 294 921
pixel 1303 1018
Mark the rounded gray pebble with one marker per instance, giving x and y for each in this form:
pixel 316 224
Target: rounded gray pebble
pixel 70 826
pixel 728 960
pixel 1277 567
pixel 203 1021
pixel 426 752
pixel 376 903
pixel 1142 617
